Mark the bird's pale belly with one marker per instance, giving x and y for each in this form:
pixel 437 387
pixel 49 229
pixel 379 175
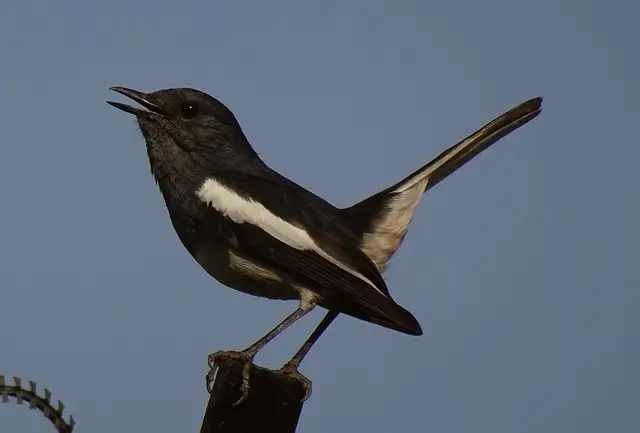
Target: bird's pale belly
pixel 235 270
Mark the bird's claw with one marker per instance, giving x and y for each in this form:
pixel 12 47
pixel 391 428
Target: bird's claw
pixel 214 362
pixel 291 370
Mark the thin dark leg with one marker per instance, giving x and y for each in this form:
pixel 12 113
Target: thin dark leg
pixel 288 321
pixel 247 355
pixel 291 367
pixel 315 335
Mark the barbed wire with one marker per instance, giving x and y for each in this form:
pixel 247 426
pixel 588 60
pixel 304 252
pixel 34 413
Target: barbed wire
pixel 52 413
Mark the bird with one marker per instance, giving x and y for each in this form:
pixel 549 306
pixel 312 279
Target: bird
pixel 256 231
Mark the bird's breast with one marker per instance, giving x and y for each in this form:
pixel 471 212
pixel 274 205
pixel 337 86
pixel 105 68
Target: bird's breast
pixel 243 273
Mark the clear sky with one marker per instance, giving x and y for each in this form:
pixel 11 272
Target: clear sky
pixel 523 267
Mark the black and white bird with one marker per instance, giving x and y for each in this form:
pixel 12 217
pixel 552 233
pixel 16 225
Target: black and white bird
pixel 258 232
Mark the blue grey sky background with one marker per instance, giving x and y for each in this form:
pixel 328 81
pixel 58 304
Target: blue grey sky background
pixel 522 267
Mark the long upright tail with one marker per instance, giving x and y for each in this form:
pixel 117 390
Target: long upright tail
pixel 383 219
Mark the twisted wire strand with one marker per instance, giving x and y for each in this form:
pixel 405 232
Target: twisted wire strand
pixel 42 403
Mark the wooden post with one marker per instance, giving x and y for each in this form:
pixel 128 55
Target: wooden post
pixel 274 402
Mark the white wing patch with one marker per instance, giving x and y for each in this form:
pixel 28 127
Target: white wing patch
pixel 241 211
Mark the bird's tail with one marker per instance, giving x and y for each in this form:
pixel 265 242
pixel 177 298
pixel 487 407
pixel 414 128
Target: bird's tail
pixel 458 155
pixel 382 220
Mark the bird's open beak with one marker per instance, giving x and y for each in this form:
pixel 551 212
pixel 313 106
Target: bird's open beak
pixel 140 98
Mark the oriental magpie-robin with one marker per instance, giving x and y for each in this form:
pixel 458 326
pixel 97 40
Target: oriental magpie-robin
pixel 258 232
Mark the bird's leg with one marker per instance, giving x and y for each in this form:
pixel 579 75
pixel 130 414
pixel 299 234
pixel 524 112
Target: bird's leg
pixel 247 355
pixel 291 368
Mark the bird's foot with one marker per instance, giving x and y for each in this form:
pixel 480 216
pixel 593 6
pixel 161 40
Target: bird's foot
pixel 245 356
pixel 291 370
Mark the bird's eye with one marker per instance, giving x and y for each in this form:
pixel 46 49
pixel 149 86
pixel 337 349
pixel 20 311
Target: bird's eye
pixel 189 110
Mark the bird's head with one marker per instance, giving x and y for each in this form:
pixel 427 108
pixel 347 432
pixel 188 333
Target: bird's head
pixel 186 128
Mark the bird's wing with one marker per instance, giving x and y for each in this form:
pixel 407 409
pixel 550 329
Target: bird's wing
pixel 382 220
pixel 293 231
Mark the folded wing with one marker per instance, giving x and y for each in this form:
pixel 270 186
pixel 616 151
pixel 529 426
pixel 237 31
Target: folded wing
pixel 297 233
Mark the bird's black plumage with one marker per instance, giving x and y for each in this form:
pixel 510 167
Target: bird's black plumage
pixel 192 137
pixel 258 232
